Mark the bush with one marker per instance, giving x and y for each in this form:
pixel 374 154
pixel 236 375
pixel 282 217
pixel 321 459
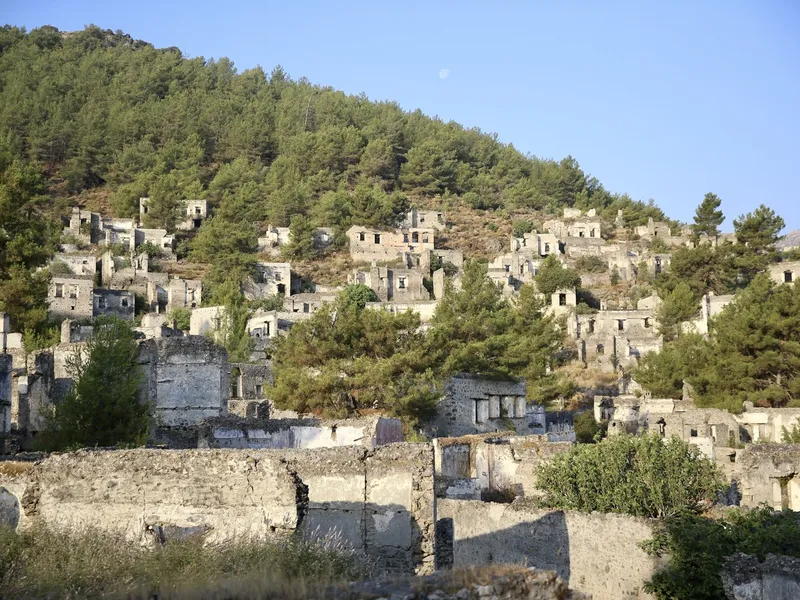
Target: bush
pixel 47 563
pixel 102 408
pixel 182 317
pixel 59 267
pixel 591 264
pixel 587 429
pixel 522 227
pixel 697 548
pixel 644 476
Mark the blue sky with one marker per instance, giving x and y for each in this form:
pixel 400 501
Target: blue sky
pixel 662 100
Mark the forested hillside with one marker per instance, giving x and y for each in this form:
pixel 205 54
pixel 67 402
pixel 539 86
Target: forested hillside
pixel 98 109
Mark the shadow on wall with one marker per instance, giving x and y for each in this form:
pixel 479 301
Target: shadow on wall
pixel 388 534
pixel 543 543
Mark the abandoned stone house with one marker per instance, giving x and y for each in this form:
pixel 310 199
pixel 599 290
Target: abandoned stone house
pixel 248 396
pixel 416 218
pixel 563 301
pixel 424 309
pixel 270 279
pixel 84 225
pixel 368 244
pixel 615 336
pixel 206 320
pixel 474 405
pixel 184 293
pixel 116 303
pixel 710 306
pixel 475 466
pixel 653 230
pixel 390 283
pixel 785 272
pixel 575 225
pixel 534 245
pixel 308 302
pixel 769 474
pixel 71 296
pixel 274 237
pixel 81 263
pixel 195 212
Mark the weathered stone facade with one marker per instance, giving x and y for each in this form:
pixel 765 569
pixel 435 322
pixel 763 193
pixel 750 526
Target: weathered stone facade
pixel 185 378
pixel 380 501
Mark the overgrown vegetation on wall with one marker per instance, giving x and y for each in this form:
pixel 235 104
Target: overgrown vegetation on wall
pixel 644 476
pixel 49 563
pixel 698 546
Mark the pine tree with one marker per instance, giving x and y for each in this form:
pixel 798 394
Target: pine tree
pixel 707 217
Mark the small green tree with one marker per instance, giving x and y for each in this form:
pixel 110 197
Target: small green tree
pixel 791 436
pixel 359 294
pixel 677 306
pixel 707 217
pixel 587 430
pixel 101 409
pixel 182 318
pixel 644 476
pixel 554 276
pixel 301 239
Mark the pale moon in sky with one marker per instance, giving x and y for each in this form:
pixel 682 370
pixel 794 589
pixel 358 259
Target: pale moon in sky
pixel 444 73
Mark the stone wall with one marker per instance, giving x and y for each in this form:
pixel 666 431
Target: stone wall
pixel 381 501
pixel 469 466
pixel 769 473
pixel 235 432
pixel 597 554
pixel 777 578
pixel 474 405
pixel 186 379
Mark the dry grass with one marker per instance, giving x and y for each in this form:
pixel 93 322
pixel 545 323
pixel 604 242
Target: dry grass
pixel 185 269
pixel 13 468
pixel 48 563
pixel 331 270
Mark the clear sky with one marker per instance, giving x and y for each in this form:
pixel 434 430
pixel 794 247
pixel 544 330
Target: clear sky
pixel 663 100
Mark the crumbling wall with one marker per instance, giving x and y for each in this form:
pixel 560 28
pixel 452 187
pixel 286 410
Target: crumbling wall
pixel 595 553
pixel 235 432
pixel 777 578
pixel 470 465
pixel 380 501
pixel 186 379
pixel 769 473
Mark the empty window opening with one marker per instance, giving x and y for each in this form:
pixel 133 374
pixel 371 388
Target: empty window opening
pixel 377 238
pixel 101 302
pixel 361 236
pixel 601 349
pixel 59 290
pixel 591 233
pixel 693 432
pixel 281 288
pixel 306 307
pixel 405 238
pixel 580 234
pixel 424 238
pixel 401 283
pixel 788 277
pixel 591 325
pixel 647 322
pixel 197 210
pixel 236 383
pixel 547 248
pixel 562 299
pixel 258 390
pixel 507 268
pixel 124 302
pixel 197 223
pixel 73 291
pixel 620 324
pixel 415 238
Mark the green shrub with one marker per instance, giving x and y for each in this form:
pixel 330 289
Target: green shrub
pixel 587 430
pixel 522 227
pixel 644 476
pixel 182 318
pixel 697 548
pixel 591 264
pixel 101 409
